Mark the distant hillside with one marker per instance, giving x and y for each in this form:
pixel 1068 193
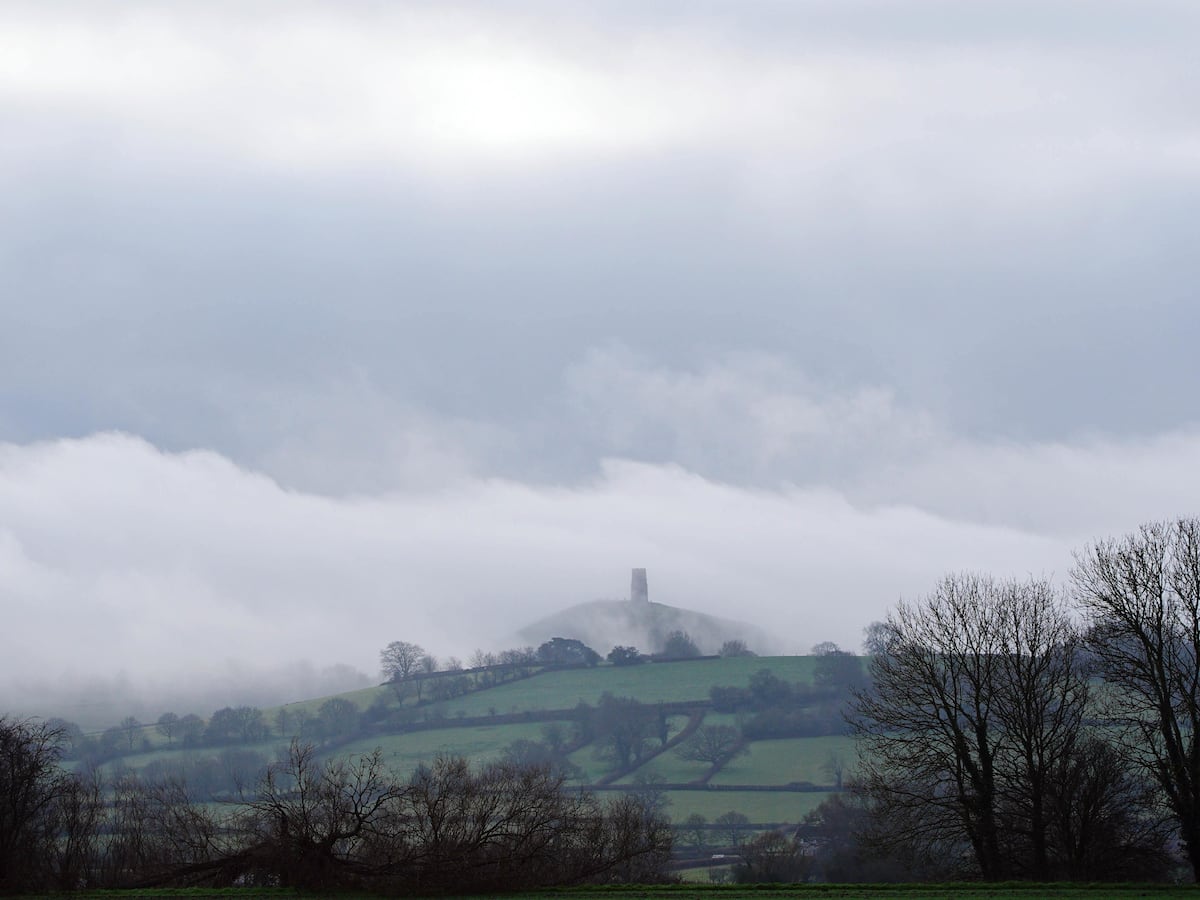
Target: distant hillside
pixel 605 624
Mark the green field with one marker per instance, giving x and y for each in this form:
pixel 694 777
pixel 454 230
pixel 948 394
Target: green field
pixel 669 768
pixel 774 762
pixel 653 683
pixel 788 760
pixel 481 744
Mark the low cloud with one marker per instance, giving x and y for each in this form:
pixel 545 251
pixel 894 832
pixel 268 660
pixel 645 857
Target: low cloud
pixel 748 417
pixel 116 557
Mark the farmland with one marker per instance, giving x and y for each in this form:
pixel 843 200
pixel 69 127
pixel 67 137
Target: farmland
pixel 483 722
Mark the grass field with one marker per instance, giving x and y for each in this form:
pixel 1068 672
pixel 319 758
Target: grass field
pixel 776 762
pixel 788 760
pixel 653 683
pixel 669 768
pixel 483 743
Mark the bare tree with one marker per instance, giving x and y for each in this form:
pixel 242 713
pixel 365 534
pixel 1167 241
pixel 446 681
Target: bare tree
pixel 977 694
pixel 159 834
pixel 835 767
pixel 76 817
pixel 875 638
pixel 772 857
pixel 168 726
pixel 732 825
pixel 928 727
pixel 713 744
pixel 31 783
pixel 313 823
pixel 622 727
pixel 1107 821
pixel 400 660
pixel 694 829
pixel 130 727
pixel 1143 593
pixel 1042 695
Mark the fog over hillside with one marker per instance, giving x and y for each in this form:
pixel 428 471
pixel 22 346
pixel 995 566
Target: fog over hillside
pixel 329 324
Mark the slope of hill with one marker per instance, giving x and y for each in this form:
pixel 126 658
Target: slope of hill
pixel 779 781
pixel 604 624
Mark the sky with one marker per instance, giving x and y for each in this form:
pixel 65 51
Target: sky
pixel 325 324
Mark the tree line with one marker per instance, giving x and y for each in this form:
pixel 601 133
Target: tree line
pixel 315 824
pixel 1015 730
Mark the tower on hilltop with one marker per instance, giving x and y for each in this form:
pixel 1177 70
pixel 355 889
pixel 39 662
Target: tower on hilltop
pixel 638 592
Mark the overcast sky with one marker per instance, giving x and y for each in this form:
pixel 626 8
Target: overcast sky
pixel 324 324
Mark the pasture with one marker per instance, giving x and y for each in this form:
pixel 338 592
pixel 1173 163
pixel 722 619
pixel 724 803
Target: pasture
pixel 788 760
pixel 650 683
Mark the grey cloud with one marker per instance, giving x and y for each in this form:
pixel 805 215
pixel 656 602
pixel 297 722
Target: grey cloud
pixel 117 556
pixel 399 305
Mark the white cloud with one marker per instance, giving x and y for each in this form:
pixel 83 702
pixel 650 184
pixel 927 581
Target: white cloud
pixel 748 416
pixel 959 221
pixel 452 88
pixel 318 86
pixel 115 556
pixel 1092 487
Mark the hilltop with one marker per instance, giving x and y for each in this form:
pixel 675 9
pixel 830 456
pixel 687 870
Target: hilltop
pixel 637 622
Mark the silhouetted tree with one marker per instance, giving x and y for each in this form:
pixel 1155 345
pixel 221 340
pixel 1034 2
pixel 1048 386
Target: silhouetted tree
pixel 31 785
pixel 978 694
pixel 694 830
pixel 1143 593
pixel 732 827
pixel 562 651
pixel 621 726
pixel 713 744
pixel 400 660
pixel 236 723
pixel 771 857
pixel 625 656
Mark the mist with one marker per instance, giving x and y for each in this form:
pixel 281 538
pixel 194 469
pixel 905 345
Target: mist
pixel 178 570
pixel 329 324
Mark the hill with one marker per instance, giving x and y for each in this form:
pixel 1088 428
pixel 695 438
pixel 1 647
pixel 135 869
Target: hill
pixel 565 715
pixel 636 622
pixel 604 624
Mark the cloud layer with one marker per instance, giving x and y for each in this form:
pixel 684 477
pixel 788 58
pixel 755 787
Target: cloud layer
pixel 118 557
pixel 443 316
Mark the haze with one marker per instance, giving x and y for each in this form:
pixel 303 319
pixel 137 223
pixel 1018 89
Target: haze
pixel 329 324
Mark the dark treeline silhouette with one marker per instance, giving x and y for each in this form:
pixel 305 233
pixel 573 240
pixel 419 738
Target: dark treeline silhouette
pixel 314 824
pixel 1013 730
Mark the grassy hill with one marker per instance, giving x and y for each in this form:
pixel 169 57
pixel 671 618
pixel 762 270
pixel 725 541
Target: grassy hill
pixel 779 780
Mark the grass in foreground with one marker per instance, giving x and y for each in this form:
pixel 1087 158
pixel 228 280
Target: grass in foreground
pixel 967 891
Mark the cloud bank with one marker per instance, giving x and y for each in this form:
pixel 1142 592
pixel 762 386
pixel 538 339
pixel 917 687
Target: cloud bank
pixel 118 557
pixel 326 324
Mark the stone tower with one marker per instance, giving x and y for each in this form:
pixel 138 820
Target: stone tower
pixel 638 592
